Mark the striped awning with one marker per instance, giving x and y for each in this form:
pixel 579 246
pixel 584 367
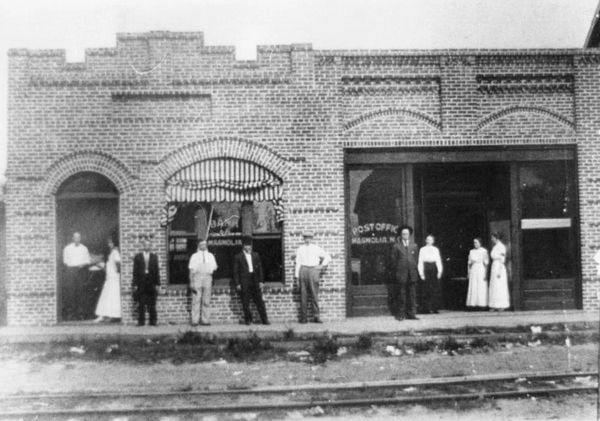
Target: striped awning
pixel 223 180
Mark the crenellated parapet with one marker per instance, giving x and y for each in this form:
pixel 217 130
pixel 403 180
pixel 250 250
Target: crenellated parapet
pixel 164 58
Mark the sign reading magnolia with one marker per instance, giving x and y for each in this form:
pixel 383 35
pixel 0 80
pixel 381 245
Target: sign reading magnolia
pixel 374 233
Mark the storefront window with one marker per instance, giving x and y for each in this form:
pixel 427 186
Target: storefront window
pixel 547 222
pixel 375 212
pixel 229 221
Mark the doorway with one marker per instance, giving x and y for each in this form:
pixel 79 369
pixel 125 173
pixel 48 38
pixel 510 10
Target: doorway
pixel 458 203
pixel 87 203
pixel 527 194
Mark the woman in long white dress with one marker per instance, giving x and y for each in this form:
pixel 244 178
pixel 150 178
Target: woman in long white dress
pixel 109 303
pixel 499 299
pixel 477 295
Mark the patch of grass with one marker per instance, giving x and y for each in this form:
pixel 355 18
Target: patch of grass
pixel 424 346
pixel 289 334
pixel 249 347
pixel 480 343
pixel 364 341
pixel 196 338
pixel 325 348
pixel 450 345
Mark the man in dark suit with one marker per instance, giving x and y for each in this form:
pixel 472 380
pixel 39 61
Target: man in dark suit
pixel 405 257
pixel 248 278
pixel 146 280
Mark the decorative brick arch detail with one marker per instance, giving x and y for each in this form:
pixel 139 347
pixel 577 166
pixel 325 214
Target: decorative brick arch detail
pixel 223 147
pixel 93 161
pixel 424 118
pixel 521 109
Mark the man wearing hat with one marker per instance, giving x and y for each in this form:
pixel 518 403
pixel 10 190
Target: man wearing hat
pixel 405 255
pixel 248 278
pixel 310 261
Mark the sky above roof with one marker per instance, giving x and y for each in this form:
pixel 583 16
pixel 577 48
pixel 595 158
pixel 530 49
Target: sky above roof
pixel 327 24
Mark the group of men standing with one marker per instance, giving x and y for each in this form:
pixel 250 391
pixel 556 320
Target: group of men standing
pixel 248 277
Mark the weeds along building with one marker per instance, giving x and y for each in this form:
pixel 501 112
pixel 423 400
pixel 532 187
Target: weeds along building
pixel 167 138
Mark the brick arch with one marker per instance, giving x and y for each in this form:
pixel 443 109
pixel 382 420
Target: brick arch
pixel 521 109
pixel 94 161
pixel 393 111
pixel 223 147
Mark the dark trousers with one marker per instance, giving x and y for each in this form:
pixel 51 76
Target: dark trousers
pixel 406 295
pixel 73 288
pixel 146 302
pixel 431 288
pixel 251 291
pixel 309 284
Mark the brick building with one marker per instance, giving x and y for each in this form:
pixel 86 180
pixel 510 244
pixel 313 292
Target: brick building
pixel 352 144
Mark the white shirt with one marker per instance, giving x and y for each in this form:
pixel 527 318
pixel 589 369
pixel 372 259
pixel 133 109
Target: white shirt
pixel 146 261
pixel 202 263
pixel 76 255
pixel 430 254
pixel 310 255
pixel 249 260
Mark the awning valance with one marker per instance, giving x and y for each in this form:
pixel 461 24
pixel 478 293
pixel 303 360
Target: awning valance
pixel 223 180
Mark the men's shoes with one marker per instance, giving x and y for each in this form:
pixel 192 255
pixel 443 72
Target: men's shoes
pixel 141 324
pixel 247 322
pixel 412 317
pixel 399 318
pixel 266 322
pixel 194 324
pixel 204 324
pixel 303 321
pixel 317 320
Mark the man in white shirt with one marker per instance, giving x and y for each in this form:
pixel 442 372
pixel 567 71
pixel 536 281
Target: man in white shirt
pixel 310 262
pixel 202 266
pixel 76 259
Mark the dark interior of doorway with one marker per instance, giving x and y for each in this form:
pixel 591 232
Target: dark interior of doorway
pixel 459 202
pixel 87 203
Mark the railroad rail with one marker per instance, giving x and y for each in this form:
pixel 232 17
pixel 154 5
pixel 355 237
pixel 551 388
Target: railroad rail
pixel 296 397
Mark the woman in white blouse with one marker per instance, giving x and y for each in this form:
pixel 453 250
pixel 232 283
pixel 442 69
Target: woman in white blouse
pixel 477 295
pixel 430 270
pixel 499 297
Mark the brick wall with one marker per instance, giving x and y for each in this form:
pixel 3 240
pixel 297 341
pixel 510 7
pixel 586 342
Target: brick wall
pixel 159 101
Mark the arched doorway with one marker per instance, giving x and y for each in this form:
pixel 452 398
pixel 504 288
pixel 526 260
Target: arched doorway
pixel 88 203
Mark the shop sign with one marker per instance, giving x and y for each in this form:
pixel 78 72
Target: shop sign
pixel 374 233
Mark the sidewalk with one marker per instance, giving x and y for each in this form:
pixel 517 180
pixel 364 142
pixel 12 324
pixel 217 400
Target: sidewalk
pixel 350 326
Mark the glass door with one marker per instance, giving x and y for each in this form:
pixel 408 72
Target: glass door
pixel 548 235
pixel 378 205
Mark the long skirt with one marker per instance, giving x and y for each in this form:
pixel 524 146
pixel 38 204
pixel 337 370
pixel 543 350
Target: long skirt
pixel 477 295
pixel 109 303
pixel 498 294
pixel 431 288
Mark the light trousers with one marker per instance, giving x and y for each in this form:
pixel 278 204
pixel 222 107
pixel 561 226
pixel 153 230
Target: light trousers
pixel 309 285
pixel 201 294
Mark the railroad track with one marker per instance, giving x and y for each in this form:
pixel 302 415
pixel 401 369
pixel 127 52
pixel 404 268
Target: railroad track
pixel 285 398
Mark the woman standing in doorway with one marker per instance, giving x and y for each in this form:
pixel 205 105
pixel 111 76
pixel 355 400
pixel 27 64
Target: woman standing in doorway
pixel 109 303
pixel 499 297
pixel 430 270
pixel 477 295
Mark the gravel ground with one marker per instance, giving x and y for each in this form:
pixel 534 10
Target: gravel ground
pixel 67 375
